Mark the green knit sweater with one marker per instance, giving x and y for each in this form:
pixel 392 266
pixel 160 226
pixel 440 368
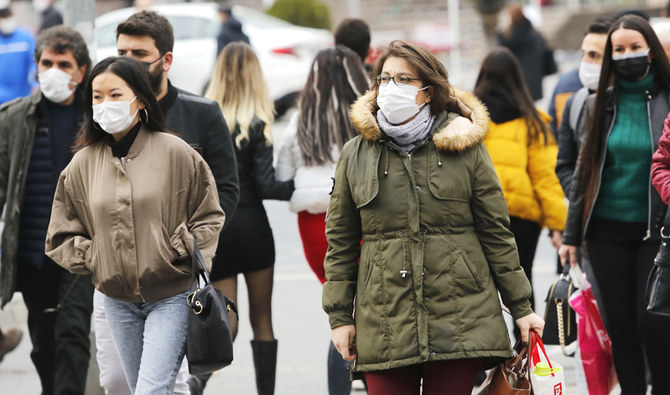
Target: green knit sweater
pixel 624 189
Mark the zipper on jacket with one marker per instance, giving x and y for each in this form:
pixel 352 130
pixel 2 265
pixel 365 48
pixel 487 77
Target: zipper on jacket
pixel 602 166
pixel 651 136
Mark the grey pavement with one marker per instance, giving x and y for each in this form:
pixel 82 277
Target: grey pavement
pixel 299 323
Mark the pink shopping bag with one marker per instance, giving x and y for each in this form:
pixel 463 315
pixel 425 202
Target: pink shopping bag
pixel 595 346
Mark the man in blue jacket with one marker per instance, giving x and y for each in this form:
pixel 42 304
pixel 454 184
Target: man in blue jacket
pixel 16 57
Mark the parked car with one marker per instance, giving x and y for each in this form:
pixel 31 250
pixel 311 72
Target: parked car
pixel 285 51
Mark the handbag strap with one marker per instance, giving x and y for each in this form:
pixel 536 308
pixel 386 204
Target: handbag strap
pixel 198 267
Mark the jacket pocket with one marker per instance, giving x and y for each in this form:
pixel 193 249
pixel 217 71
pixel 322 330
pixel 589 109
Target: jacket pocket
pixel 363 191
pixel 367 252
pixel 465 273
pixel 167 256
pixel 363 178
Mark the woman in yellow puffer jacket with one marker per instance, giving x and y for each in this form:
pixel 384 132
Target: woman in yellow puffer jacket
pixel 523 152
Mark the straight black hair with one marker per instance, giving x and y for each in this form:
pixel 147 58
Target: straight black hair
pixel 135 75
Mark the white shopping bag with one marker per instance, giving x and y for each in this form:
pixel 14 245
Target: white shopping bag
pixel 547 381
pixel 546 377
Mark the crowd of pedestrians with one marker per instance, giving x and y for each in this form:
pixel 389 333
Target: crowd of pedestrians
pixel 419 205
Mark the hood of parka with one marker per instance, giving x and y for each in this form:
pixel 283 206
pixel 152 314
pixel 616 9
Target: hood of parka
pixel 464 132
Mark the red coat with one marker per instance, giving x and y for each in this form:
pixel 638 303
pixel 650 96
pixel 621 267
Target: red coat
pixel 660 164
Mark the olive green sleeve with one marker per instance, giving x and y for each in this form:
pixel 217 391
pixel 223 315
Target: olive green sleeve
pixel 489 210
pixel 343 233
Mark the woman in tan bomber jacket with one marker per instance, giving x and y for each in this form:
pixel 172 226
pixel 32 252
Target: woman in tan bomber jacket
pixel 126 210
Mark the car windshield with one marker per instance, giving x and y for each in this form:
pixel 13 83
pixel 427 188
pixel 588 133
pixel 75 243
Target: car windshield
pixel 185 28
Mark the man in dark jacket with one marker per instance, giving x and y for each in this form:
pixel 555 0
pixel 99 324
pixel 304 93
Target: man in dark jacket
pixel 231 29
pixel 571 132
pixel 149 38
pixel 49 15
pixel 529 47
pixel 36 136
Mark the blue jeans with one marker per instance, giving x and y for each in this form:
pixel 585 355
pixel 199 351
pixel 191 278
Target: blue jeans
pixel 151 340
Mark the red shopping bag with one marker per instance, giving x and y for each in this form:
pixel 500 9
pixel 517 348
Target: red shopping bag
pixel 595 346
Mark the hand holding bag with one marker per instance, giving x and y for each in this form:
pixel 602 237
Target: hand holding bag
pixel 209 341
pixel 658 283
pixel 560 319
pixel 510 377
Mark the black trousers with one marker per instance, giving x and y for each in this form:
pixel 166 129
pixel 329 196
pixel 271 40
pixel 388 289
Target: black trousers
pixel 526 234
pixel 621 262
pixel 60 334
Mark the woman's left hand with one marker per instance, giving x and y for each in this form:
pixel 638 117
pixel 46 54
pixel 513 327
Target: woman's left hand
pixel 530 322
pixel 556 238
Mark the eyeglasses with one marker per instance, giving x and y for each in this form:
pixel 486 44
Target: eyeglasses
pixel 398 79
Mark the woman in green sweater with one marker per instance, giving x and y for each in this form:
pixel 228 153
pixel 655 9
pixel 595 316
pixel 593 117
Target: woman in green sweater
pixel 614 208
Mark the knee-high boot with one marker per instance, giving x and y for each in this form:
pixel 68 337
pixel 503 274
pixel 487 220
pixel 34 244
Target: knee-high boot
pixel 265 363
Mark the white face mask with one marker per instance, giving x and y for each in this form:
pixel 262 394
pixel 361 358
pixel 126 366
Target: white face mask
pixel 114 116
pixel 398 103
pixel 55 84
pixel 589 74
pixel 7 25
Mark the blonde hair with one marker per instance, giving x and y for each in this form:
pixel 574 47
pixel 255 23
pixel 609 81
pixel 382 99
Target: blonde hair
pixel 238 86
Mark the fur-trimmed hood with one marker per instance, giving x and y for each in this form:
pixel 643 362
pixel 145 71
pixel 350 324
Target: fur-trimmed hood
pixel 463 132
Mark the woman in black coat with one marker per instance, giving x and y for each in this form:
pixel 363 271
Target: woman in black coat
pixel 247 244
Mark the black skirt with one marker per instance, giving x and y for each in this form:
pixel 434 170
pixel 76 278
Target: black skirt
pixel 245 245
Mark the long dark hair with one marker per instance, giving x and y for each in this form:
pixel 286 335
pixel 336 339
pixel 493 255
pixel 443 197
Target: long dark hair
pixel 431 72
pixel 336 80
pixel 137 78
pixel 501 71
pixel 592 152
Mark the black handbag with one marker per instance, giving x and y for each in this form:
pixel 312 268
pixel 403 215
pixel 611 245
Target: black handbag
pixel 658 283
pixel 560 321
pixel 209 341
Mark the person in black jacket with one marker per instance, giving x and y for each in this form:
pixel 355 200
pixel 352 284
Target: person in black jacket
pixel 529 47
pixel 614 208
pixel 247 246
pixel 37 133
pixel 148 37
pixel 231 29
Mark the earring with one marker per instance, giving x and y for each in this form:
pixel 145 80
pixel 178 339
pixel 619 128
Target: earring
pixel 146 115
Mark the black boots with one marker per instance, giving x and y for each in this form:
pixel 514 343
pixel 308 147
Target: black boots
pixel 265 363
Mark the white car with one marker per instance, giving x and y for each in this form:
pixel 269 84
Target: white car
pixel 285 51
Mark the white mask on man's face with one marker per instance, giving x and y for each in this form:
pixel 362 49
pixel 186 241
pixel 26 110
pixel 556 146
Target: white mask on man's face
pixel 589 74
pixel 7 25
pixel 55 84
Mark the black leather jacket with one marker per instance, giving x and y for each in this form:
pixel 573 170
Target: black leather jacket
pixel 200 123
pixel 658 106
pixel 256 173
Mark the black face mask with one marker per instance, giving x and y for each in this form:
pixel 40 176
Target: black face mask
pixel 633 68
pixel 156 77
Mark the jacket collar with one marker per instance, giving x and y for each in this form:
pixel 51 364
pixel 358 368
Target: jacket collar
pixel 465 131
pixel 135 149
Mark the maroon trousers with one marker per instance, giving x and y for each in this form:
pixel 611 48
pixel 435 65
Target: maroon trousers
pixel 455 377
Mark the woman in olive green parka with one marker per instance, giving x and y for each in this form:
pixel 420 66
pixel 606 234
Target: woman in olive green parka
pixel 418 188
